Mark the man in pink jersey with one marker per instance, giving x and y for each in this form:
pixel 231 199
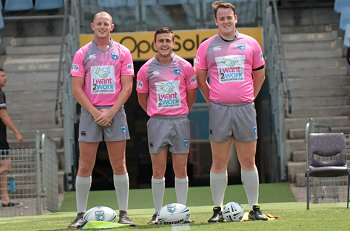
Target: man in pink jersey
pixel 235 65
pixel 102 76
pixel 166 88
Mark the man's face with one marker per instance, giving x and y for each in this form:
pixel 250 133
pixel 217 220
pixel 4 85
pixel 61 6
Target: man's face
pixel 164 44
pixel 2 78
pixel 102 26
pixel 226 21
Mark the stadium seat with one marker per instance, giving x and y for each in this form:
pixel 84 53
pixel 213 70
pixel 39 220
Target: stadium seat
pixel 111 3
pixel 347 35
pixel 150 2
pixel 344 17
pixel 48 4
pixel 2 24
pixel 339 4
pixel 18 5
pixel 326 157
pixel 172 2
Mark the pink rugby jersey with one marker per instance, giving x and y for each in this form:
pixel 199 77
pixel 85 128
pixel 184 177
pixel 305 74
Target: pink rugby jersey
pixel 230 65
pixel 102 70
pixel 166 85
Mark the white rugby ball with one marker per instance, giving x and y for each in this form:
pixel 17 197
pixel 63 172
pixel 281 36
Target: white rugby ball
pixel 233 212
pixel 174 213
pixel 100 213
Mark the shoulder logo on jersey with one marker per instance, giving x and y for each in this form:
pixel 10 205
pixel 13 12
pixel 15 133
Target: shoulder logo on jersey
pixel 156 72
pixel 114 55
pixel 241 46
pixel 139 84
pixel 176 70
pixel 130 66
pixel 217 48
pixel 261 56
pixel 198 60
pixel 92 56
pixel 75 68
pixel 193 80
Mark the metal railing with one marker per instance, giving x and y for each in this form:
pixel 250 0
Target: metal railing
pixel 34 176
pixel 277 72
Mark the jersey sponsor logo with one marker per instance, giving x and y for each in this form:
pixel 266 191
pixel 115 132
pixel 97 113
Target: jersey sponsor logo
pixel 241 46
pixel 114 55
pixel 230 68
pixel 103 80
pixel 75 68
pixel 261 56
pixel 139 84
pixel 168 94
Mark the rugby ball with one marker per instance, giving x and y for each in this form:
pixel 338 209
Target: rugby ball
pixel 100 213
pixel 233 212
pixel 174 213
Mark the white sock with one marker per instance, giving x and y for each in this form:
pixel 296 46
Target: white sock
pixel 218 184
pixel 82 189
pixel 121 186
pixel 250 180
pixel 181 188
pixel 158 188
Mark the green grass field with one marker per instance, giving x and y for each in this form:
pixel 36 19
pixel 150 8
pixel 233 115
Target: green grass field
pixel 275 199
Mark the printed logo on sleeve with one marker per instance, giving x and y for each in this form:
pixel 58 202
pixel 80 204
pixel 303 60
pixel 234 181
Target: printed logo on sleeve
pixel 193 80
pixel 139 84
pixel 75 68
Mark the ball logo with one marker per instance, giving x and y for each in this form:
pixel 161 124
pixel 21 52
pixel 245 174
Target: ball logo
pixel 99 216
pixel 171 208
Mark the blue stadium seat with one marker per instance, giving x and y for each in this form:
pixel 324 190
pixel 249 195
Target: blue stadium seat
pixel 339 4
pixel 2 24
pixel 150 2
pixel 172 2
pixel 347 35
pixel 48 4
pixel 111 3
pixel 18 5
pixel 344 17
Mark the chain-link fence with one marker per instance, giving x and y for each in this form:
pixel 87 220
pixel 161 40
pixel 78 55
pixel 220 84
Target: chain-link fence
pixel 32 180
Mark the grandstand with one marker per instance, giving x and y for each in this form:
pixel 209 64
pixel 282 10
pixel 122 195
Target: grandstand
pixel 307 76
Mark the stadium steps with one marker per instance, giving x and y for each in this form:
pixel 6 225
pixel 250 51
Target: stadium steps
pixel 31 64
pixel 319 79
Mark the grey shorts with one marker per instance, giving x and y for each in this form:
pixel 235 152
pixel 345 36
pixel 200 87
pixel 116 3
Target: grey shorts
pixel 90 131
pixel 236 120
pixel 173 131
